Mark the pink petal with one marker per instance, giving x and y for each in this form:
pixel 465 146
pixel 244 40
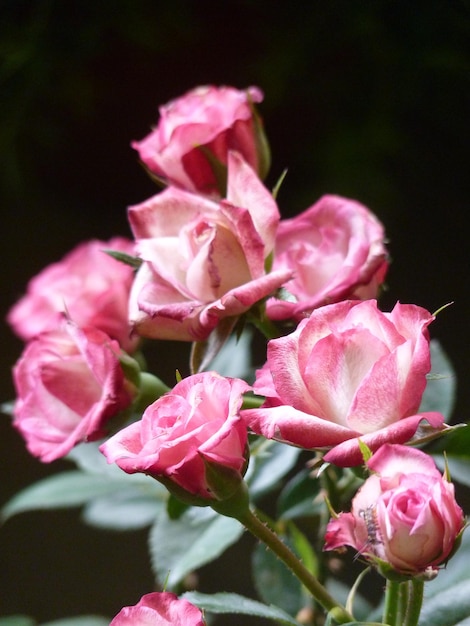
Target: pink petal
pixel 348 454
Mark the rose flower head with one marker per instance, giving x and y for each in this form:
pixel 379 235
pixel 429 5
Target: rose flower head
pixel 202 260
pixel 349 371
pixel 87 284
pixel 159 609
pixel 189 146
pixel 192 438
pixel 69 384
pixel 404 518
pixel 335 250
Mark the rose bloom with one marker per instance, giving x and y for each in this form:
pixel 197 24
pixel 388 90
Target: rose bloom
pixel 88 284
pixel 195 424
pixel 69 383
pixel 336 251
pixel 202 260
pixel 405 513
pixel 200 127
pixel 159 609
pixel 349 371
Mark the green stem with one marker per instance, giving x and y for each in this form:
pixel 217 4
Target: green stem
pixel 391 612
pixel 318 591
pixel 415 600
pixel 402 602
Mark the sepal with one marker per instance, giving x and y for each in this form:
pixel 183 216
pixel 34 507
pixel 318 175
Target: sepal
pixel 261 141
pixel 223 481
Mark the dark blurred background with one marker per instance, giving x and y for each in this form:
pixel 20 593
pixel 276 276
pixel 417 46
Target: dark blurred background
pixel 364 99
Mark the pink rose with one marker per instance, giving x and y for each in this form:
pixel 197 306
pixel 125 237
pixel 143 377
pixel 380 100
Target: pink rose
pixel 159 609
pixel 196 132
pixel 88 285
pixel 336 251
pixel 69 383
pixel 191 429
pixel 202 260
pixel 348 371
pixel 405 513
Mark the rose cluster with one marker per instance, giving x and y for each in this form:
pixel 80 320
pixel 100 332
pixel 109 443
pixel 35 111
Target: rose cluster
pixel 208 251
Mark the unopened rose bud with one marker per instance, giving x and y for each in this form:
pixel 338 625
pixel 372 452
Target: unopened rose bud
pixel 404 518
pixel 189 146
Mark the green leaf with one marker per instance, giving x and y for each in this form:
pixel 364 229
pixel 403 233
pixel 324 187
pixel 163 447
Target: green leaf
pixel 456 443
pixel 297 497
pixel 204 352
pixel 270 461
pixel 133 261
pixel 440 391
pixel 447 608
pixel 178 547
pixel 127 509
pixel 7 408
pixel 459 467
pixel 234 358
pixel 233 603
pixel 17 620
pixel 274 582
pixel 304 549
pixel 65 490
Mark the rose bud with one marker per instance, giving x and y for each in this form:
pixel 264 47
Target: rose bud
pixel 189 147
pixel 404 518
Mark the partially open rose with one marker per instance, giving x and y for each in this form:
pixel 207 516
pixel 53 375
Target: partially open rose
pixel 195 134
pixel 87 284
pixel 69 383
pixel 405 514
pixel 202 260
pixel 188 436
pixel 335 250
pixel 349 371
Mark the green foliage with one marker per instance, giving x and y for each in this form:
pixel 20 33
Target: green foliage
pixel 274 583
pixel 270 462
pixel 298 497
pixel 223 603
pixel 441 388
pixel 178 547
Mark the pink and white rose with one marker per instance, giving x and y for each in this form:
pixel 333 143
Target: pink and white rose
pixel 336 252
pixel 405 514
pixel 69 383
pixel 202 260
pixel 194 427
pixel 90 286
pixel 348 372
pixel 200 128
pixel 159 609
